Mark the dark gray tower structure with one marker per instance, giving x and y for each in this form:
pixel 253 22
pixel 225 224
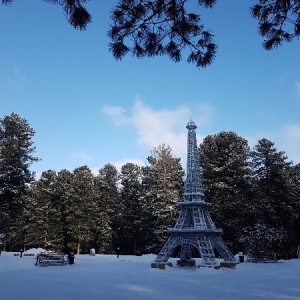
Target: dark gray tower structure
pixel 194 227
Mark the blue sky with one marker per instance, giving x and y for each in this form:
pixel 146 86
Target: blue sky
pixel 89 109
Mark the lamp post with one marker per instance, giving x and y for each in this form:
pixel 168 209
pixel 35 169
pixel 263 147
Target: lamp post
pixel 118 247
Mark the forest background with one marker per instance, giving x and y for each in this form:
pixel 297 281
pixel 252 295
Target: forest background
pixel 254 197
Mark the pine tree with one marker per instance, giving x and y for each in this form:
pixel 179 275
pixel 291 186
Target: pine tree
pixel 130 209
pixel 227 185
pixel 16 156
pixel 107 194
pixel 43 214
pixel 65 193
pixel 260 238
pixel 83 207
pixel 147 206
pixel 100 230
pixel 274 199
pixel 163 183
pixel 271 173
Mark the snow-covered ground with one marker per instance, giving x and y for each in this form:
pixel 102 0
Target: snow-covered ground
pixel 104 277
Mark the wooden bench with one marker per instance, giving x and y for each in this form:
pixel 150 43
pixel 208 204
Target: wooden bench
pixel 262 257
pixel 47 259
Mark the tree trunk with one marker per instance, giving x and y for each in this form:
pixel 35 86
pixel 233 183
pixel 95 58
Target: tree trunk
pixel 134 247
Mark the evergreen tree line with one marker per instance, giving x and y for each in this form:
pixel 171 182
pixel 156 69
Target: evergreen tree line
pixel 254 196
pixel 79 210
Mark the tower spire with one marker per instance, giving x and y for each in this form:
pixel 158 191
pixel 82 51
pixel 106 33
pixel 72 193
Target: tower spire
pixel 193 182
pixel 194 227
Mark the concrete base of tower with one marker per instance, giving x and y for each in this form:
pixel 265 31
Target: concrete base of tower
pixel 186 263
pixel 161 265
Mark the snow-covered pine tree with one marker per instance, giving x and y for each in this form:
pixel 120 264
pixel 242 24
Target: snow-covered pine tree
pixel 16 156
pixel 146 202
pixel 106 196
pixel 260 238
pixel 43 214
pixel 273 189
pixel 131 237
pixel 65 193
pixel 163 188
pixel 101 230
pixel 84 209
pixel 227 184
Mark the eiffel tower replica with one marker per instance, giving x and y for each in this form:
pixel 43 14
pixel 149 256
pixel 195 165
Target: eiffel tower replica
pixel 194 227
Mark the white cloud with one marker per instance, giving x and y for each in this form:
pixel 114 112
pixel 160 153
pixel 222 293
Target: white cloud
pixel 157 127
pixel 154 127
pixel 116 113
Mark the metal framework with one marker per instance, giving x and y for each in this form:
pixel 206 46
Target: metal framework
pixel 194 227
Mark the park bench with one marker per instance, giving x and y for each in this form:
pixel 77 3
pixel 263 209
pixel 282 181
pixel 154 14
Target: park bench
pixel 46 259
pixel 265 257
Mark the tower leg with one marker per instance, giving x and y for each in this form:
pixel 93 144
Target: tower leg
pixel 163 256
pixel 206 250
pixel 222 248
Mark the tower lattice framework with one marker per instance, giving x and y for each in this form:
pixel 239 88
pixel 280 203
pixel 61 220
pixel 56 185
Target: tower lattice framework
pixel 194 227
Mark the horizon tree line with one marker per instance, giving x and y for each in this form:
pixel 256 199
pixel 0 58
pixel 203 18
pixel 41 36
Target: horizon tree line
pixel 254 196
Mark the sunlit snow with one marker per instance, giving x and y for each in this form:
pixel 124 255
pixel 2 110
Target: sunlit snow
pixel 104 277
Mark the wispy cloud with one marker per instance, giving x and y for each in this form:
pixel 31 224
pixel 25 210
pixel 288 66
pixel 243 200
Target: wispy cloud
pixel 154 127
pixel 116 113
pixel 157 127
